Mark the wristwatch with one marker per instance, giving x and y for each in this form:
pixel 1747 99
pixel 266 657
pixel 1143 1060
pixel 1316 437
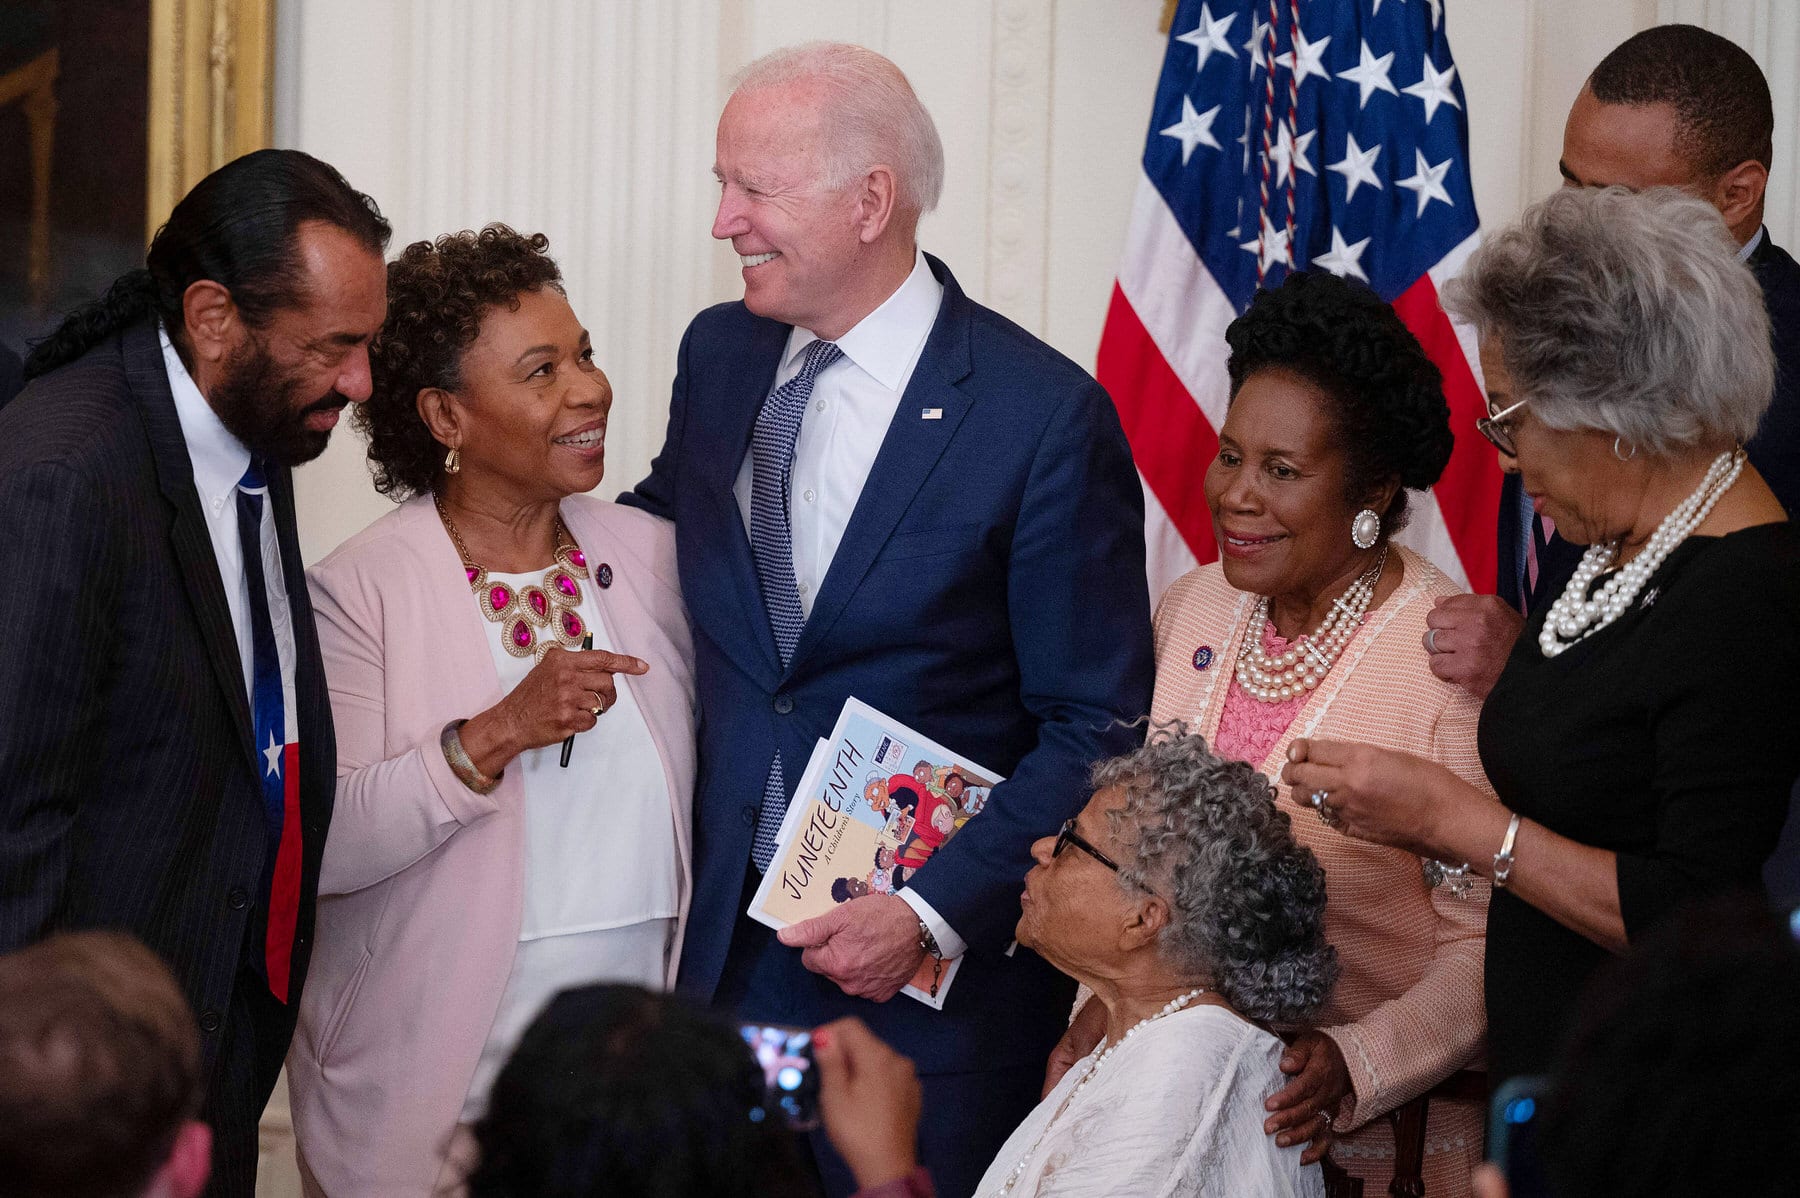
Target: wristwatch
pixel 928 942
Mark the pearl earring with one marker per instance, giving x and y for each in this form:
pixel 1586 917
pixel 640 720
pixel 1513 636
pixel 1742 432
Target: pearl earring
pixel 1365 528
pixel 453 461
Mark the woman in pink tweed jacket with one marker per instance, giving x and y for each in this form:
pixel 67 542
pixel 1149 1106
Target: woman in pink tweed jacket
pixel 1312 625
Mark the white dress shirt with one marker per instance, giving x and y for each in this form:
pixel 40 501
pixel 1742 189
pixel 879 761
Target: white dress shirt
pixel 1749 247
pixel 853 402
pixel 219 460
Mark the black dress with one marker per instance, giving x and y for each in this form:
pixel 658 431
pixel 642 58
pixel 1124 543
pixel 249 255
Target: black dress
pixel 1669 737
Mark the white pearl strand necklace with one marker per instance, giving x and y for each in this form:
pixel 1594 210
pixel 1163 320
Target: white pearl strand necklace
pixel 1306 662
pixel 1175 1004
pixel 1574 616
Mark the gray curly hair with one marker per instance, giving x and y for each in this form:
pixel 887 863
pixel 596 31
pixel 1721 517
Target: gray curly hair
pixel 1627 313
pixel 1247 902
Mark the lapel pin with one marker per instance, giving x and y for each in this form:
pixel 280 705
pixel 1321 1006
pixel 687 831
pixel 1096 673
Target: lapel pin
pixel 932 414
pixel 604 576
pixel 1203 657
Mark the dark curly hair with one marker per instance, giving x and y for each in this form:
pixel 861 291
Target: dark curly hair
pixel 1247 900
pixel 1341 337
pixel 438 293
pixel 616 1090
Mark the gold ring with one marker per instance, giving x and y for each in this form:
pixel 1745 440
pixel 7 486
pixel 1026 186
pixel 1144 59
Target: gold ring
pixel 599 708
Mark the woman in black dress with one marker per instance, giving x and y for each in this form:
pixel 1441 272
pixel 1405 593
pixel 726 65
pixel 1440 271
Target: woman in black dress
pixel 1640 738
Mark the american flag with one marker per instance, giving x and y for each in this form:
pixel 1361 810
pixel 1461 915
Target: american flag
pixel 1288 135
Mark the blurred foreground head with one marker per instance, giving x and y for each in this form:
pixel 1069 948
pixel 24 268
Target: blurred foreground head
pixel 100 1080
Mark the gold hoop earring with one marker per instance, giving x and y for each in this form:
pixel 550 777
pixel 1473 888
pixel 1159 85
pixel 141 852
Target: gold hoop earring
pixel 453 461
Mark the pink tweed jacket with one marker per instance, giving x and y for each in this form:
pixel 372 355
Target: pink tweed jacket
pixel 422 886
pixel 1407 1011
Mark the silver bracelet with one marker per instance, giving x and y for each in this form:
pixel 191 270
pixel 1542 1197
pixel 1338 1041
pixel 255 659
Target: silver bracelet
pixel 450 740
pixel 1503 860
pixel 1454 878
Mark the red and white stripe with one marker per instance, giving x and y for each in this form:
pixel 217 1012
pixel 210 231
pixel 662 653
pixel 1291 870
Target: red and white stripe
pixel 1162 358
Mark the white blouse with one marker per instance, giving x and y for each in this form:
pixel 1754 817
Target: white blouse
pixel 599 835
pixel 1175 1112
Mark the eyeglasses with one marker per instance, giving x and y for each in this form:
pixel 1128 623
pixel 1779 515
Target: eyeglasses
pixel 1493 427
pixel 1068 836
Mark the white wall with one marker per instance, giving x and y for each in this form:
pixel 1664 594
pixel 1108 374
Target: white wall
pixel 592 121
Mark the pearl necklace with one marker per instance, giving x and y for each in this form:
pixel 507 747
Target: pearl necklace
pixel 1306 662
pixel 1175 1004
pixel 1574 616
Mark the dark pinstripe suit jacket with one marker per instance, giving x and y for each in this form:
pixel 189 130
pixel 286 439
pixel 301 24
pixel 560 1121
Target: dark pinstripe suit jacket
pixel 129 792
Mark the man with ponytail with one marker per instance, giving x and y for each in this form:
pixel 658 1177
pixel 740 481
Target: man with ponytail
pixel 166 752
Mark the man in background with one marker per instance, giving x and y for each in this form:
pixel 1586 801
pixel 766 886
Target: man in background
pixel 167 762
pixel 100 1074
pixel 883 489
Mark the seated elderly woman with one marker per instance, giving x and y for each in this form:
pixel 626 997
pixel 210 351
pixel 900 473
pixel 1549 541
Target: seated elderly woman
pixel 512 816
pixel 1311 624
pixel 1639 738
pixel 1180 897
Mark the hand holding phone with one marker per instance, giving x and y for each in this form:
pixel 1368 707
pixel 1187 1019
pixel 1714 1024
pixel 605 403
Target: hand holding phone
pixel 869 1100
pixel 790 1080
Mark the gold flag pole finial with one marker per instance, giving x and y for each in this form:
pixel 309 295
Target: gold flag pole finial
pixel 1168 18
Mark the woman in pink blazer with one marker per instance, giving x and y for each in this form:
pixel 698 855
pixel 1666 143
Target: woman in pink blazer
pixel 511 678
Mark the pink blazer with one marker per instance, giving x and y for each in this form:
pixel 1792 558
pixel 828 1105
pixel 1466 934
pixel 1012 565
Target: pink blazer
pixel 422 889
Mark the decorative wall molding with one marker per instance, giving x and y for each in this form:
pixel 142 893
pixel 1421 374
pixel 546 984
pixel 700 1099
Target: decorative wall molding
pixel 1018 201
pixel 211 63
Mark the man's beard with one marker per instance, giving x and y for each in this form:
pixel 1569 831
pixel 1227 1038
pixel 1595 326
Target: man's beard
pixel 259 406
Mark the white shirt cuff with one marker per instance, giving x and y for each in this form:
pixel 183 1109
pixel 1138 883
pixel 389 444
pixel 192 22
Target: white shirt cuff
pixel 946 937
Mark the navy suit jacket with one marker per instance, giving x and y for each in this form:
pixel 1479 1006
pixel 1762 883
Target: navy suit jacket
pixel 989 591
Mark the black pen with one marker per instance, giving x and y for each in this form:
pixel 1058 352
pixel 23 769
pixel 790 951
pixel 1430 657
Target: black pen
pixel 587 642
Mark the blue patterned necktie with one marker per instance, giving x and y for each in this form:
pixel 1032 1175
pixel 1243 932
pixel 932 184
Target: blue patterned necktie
pixel 772 545
pixel 278 758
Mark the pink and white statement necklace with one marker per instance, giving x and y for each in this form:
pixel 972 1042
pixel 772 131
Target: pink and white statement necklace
pixel 532 618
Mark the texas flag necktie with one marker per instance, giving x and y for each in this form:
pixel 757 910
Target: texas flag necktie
pixel 278 748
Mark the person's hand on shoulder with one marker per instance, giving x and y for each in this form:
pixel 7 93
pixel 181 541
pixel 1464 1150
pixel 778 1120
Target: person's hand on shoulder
pixel 1081 1038
pixel 869 1101
pixel 1468 639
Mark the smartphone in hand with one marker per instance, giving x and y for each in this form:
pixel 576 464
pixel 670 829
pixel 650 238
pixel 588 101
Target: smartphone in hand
pixel 790 1076
pixel 1513 1122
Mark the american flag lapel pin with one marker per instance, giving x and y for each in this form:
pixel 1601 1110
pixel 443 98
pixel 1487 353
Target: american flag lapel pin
pixel 932 414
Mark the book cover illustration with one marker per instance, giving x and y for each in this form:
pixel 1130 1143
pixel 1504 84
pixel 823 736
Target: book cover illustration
pixel 876 800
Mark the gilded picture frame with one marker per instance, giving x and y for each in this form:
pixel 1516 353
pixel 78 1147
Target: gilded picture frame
pixel 211 93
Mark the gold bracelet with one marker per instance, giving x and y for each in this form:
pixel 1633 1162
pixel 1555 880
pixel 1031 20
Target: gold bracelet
pixel 460 764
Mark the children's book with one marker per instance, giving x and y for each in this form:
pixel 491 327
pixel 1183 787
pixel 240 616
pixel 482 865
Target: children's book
pixel 876 800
